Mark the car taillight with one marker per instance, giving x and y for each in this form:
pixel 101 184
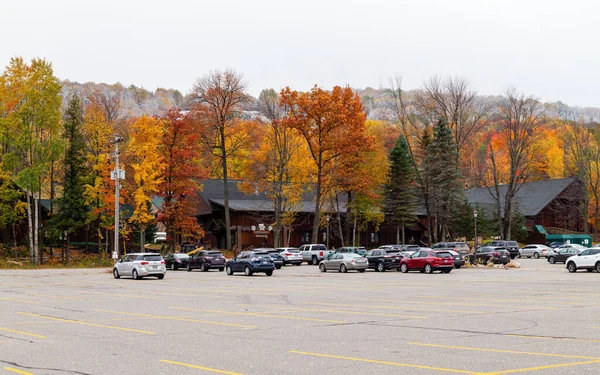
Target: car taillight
pixel 163 262
pixel 496 254
pixel 178 261
pixel 352 261
pixel 254 259
pixel 143 263
pixel 387 256
pixel 287 254
pixel 321 254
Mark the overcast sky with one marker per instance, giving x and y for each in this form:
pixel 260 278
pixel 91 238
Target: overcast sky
pixel 549 48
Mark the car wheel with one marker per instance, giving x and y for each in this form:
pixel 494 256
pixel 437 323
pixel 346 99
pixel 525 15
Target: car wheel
pixel 188 268
pixel 428 268
pixel 380 267
pixel 490 259
pixel 457 267
pixel 247 271
pixel 598 267
pixel 135 275
pixel 315 261
pixel 204 267
pixel 551 260
pixel 298 264
pixel 589 269
pixel 221 269
pixel 536 255
pixel 361 271
pixel 519 256
pixel 572 267
pixel 278 267
pixel 322 267
pixel 173 267
pixel 446 271
pixel 116 273
pixel 160 277
pixel 269 273
pixel 404 268
pixel 343 268
pixel 229 270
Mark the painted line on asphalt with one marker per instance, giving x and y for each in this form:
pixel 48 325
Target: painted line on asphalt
pixel 392 307
pixel 549 338
pixel 23 333
pixel 119 295
pixel 19 300
pixel 443 369
pixel 463 304
pixel 87 323
pixel 17 371
pixel 343 311
pixel 490 299
pixel 258 314
pixel 503 351
pixel 63 297
pixel 179 319
pixel 548 367
pixel 200 367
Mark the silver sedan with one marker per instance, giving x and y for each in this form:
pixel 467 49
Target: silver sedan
pixel 342 262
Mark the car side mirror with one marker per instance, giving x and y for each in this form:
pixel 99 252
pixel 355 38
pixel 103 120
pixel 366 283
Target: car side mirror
pixel 120 260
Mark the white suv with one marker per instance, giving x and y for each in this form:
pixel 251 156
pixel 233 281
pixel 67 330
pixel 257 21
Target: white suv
pixel 138 265
pixel 588 259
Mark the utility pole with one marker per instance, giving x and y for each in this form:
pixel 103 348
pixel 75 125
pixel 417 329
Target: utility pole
pixel 116 175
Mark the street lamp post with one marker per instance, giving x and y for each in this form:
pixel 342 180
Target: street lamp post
pixel 327 218
pixel 475 240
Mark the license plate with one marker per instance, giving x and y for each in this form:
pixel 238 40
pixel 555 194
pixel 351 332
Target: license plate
pixel 503 256
pixel 265 262
pixel 154 267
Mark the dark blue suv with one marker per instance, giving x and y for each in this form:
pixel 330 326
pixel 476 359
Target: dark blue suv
pixel 250 262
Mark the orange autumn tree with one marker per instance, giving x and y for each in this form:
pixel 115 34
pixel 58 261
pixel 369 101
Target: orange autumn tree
pixel 333 126
pixel 183 167
pixel 147 163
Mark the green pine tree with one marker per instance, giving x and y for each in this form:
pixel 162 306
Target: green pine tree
pixel 72 209
pixel 399 199
pixel 446 191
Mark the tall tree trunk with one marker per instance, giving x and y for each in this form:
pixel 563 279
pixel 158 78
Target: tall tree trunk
pixel 67 253
pixel 507 213
pixel 596 216
pixel 337 204
pixel 277 230
pixel 354 232
pixel 403 234
pixel 226 190
pixel 142 238
pixel 30 224
pixel 317 218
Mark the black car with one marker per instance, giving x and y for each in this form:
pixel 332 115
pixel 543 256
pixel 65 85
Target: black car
pixel 174 261
pixel 206 260
pixel 560 255
pixel 381 260
pixel 459 260
pixel 277 258
pixel 486 254
pixel 250 262
pixel 511 246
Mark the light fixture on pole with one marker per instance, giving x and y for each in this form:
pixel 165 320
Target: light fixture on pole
pixel 475 240
pixel 116 175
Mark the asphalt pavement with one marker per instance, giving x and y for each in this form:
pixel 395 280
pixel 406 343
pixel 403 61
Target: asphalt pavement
pixel 536 319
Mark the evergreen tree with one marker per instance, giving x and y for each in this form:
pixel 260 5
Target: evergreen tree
pixel 399 200
pixel 423 175
pixel 72 209
pixel 446 192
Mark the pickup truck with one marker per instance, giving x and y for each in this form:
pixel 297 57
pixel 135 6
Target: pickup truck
pixel 314 253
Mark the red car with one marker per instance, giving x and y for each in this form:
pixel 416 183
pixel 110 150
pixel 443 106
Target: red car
pixel 427 260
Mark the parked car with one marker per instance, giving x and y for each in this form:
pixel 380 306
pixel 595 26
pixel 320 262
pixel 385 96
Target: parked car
pixel 391 247
pixel 428 261
pixel 381 260
pixel 555 244
pixel 290 255
pixel 175 261
pixel 511 246
pixel 250 263
pixel 561 254
pixel 588 259
pixel 535 251
pixel 350 250
pixel 206 260
pixel 460 247
pixel 138 265
pixel 342 262
pixel 486 254
pixel 277 258
pixel 314 253
pixel 459 260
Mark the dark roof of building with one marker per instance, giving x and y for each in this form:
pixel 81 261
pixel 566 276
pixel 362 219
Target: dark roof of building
pixel 531 198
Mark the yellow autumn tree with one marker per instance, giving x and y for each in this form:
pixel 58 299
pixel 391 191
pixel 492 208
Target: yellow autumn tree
pixel 147 164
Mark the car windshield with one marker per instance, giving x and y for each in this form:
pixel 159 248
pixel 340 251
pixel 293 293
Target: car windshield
pixel 293 251
pixel 444 254
pixel 153 258
pixel 214 254
pixel 512 244
pixel 352 255
pixel 181 256
pixel 392 252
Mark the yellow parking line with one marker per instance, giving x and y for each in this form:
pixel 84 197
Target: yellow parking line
pixel 63 297
pixel 87 323
pixel 200 367
pixel 392 307
pixel 542 367
pixel 23 333
pixel 258 314
pixel 119 295
pixel 17 371
pixel 19 300
pixel 341 311
pixel 549 338
pixel 495 300
pixel 503 351
pixel 387 363
pixel 178 318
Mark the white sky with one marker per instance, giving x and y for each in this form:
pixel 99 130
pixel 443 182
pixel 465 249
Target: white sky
pixel 545 48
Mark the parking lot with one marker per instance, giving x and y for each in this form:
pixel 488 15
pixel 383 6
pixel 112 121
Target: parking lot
pixel 537 319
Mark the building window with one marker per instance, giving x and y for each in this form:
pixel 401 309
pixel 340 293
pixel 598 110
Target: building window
pixel 305 237
pixel 374 237
pixel 324 236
